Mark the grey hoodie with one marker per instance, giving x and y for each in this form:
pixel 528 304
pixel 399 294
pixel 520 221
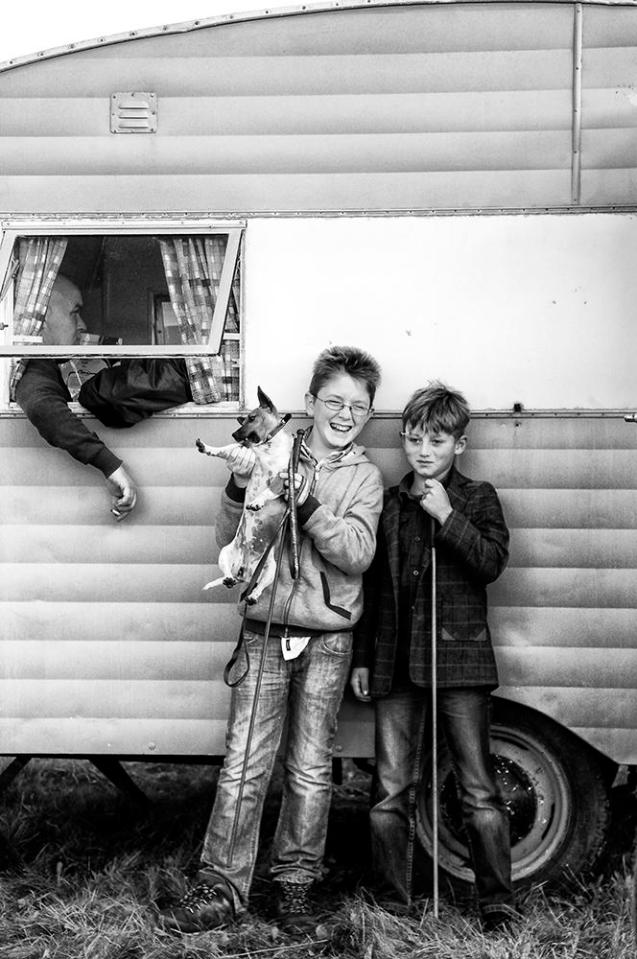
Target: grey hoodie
pixel 338 525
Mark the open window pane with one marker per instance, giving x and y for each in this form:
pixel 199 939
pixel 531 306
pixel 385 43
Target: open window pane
pixel 133 294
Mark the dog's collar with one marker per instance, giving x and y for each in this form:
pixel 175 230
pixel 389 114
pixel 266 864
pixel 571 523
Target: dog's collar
pixel 282 422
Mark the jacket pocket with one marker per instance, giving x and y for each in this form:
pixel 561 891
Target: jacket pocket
pixel 463 621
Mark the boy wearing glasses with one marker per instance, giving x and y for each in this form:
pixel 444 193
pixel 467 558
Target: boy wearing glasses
pixel 392 656
pixel 307 664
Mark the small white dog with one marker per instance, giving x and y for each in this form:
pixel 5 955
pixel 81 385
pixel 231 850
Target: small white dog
pixel 262 433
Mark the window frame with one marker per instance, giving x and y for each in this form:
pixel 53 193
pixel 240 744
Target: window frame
pixel 13 229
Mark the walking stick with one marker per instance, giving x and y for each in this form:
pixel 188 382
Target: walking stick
pixel 434 723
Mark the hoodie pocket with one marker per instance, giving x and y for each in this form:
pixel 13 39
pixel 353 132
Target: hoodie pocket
pixel 339 610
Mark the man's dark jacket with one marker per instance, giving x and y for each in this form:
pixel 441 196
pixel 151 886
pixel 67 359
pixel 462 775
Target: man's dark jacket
pixel 471 551
pixel 120 396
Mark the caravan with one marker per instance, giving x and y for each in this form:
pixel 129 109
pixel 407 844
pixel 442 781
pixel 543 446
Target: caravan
pixel 450 185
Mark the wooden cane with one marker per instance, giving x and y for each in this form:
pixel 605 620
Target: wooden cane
pixel 293 465
pixel 434 724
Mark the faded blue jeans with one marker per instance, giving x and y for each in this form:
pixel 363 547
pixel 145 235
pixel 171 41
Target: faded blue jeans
pixel 463 714
pixel 308 692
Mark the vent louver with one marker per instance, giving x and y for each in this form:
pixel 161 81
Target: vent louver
pixel 134 112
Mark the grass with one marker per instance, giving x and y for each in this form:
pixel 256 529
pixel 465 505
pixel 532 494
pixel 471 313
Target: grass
pixel 85 869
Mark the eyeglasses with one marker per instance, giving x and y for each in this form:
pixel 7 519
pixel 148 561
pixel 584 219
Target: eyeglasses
pixel 358 410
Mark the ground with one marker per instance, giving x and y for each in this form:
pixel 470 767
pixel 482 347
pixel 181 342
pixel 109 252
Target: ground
pixel 84 869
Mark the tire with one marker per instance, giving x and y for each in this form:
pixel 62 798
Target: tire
pixel 555 788
pixel 633 897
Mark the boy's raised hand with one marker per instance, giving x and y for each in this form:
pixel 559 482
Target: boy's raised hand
pixel 435 501
pixel 240 461
pixel 359 681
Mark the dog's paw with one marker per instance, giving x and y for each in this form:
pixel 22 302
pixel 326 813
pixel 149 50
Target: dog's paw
pixel 255 505
pixel 201 446
pixel 213 583
pixel 229 581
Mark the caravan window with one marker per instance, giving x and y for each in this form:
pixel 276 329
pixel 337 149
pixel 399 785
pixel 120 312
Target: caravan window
pixel 151 294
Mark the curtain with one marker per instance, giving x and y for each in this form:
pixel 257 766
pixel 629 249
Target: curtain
pixel 40 258
pixel 193 271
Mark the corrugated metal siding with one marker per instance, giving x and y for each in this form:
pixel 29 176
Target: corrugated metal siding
pixel 563 613
pixel 440 106
pixel 609 107
pixel 108 644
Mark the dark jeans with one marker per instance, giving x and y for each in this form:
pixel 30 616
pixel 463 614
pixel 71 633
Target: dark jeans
pixel 463 715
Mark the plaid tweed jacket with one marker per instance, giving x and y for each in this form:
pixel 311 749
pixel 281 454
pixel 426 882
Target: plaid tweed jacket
pixel 471 551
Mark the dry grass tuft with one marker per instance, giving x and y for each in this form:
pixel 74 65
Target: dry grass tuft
pixel 91 870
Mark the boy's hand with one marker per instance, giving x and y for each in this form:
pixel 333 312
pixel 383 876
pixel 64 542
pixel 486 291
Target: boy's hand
pixel 435 501
pixel 301 487
pixel 240 462
pixel 359 681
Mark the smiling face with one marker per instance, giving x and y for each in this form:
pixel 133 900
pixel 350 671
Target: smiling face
pixel 334 429
pixel 431 455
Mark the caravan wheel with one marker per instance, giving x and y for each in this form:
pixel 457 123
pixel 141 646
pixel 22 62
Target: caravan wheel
pixel 555 789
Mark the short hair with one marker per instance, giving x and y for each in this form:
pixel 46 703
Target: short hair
pixel 345 359
pixel 438 409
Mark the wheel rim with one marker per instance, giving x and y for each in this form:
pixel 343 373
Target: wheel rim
pixel 535 789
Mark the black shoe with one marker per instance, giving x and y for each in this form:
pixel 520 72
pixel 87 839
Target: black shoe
pixel 204 907
pixel 499 918
pixel 293 907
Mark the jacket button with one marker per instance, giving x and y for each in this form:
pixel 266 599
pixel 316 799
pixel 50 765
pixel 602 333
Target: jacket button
pixel 416 572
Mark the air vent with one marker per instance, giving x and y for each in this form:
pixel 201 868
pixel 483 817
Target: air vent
pixel 134 112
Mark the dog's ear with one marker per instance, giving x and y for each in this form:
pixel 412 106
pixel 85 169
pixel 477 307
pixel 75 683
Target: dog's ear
pixel 265 401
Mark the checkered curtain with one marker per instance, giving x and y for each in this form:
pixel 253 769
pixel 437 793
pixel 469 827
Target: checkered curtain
pixel 193 272
pixel 40 258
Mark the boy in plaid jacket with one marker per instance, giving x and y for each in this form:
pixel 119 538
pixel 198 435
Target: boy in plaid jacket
pixel 392 652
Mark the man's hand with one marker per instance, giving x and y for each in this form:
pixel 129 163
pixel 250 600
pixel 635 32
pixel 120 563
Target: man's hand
pixel 435 501
pixel 123 491
pixel 359 681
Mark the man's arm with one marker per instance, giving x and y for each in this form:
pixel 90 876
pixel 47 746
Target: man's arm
pixel 43 397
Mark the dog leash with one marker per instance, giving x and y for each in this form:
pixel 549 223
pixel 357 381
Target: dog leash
pixel 257 688
pixel 246 592
pixel 289 518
